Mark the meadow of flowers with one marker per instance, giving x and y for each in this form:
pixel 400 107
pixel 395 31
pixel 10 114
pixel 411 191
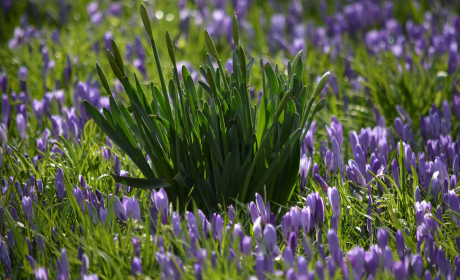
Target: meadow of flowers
pixel 214 139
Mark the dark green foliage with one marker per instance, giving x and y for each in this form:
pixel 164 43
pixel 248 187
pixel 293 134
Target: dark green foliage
pixel 212 144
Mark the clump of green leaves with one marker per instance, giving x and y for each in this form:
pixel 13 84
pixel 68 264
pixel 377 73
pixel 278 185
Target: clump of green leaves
pixel 211 144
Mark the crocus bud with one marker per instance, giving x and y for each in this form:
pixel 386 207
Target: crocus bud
pixel 295 219
pixel 102 214
pixel 371 260
pixel 28 209
pixel 382 237
pixel 399 127
pixel 334 200
pixel 246 245
pixel 257 228
pixel 452 200
pixel 321 181
pixel 136 267
pixel 3 83
pixel 41 273
pixel 455 165
pixel 197 271
pixel 84 265
pixel 231 213
pixel 78 194
pixel 417 194
pixel 117 166
pixel 161 202
pixel 439 216
pixel 456 103
pixel 305 165
pixel 176 223
pixel 306 218
pixel 261 207
pixel 219 227
pixel 63 266
pixel 400 244
pixel 253 211
pixel 416 262
pixel 356 258
pixel 388 258
pixel 6 110
pixel 319 212
pixel 286 226
pixel 119 210
pixel 59 184
pixel 270 238
pixel 337 155
pixel 334 247
pixel 22 126
pixel 399 272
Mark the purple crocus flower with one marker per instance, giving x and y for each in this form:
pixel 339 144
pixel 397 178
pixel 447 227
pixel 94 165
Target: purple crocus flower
pixel 308 145
pixel 63 267
pixel 334 247
pixel 336 150
pixel 254 212
pixel 306 218
pixel 417 194
pixel 334 200
pixel 270 238
pixel 161 202
pixel 246 245
pixel 456 105
pixel 399 271
pixel 136 267
pixel 6 110
pixel 321 181
pixel 263 210
pixel 131 207
pixel 286 226
pixel 231 213
pixel 78 194
pixel 382 237
pixel 102 214
pixel 119 210
pixel 59 184
pixel 27 208
pixel 115 9
pixel 117 166
pixel 218 228
pixel 176 223
pixel 41 273
pixel 372 259
pixel 319 211
pixel 22 126
pixel 3 83
pixel 400 245
pixel 455 165
pixel 452 200
pixel 356 258
pixel 305 166
pixel 295 219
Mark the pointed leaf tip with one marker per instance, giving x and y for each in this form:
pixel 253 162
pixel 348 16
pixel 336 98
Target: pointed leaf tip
pixel 210 44
pixel 170 45
pixel 235 30
pixel 146 21
pixel 321 84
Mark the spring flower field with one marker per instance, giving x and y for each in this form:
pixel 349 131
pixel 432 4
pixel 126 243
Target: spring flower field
pixel 230 139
